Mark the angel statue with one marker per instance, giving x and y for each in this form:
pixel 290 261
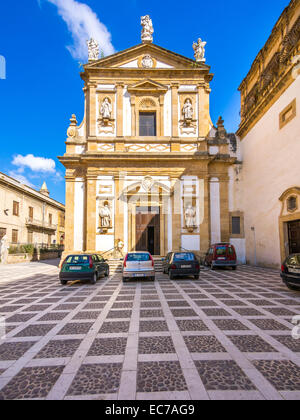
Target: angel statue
pixel 199 51
pixel 147 30
pixel 93 48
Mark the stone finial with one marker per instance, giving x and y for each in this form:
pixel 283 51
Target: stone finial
pixel 72 130
pixel 221 132
pixel 44 190
pixel 147 31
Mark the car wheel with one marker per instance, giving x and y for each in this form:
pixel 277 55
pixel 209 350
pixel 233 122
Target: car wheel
pixel 212 267
pixel 63 282
pixel 171 276
pixel 153 278
pixel 234 267
pixel 94 278
pixel 196 277
pixel 292 287
pixel 124 279
pixel 107 273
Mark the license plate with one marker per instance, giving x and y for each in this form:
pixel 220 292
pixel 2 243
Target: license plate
pixel 294 270
pixel 75 268
pixel 186 266
pixel 221 258
pixel 139 275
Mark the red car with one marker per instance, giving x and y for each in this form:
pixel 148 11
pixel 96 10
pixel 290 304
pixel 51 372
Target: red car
pixel 221 255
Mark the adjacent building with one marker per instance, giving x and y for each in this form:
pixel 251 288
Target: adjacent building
pixel 269 187
pixel 28 216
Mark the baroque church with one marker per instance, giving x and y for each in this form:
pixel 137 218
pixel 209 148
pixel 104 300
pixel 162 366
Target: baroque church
pixel 147 169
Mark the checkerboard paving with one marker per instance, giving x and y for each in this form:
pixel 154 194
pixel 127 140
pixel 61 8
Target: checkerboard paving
pixel 227 335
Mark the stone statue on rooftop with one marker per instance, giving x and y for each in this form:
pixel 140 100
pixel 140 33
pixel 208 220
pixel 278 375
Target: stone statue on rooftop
pixel 199 50
pixel 93 49
pixel 147 30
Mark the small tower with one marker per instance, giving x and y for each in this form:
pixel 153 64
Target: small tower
pixel 44 190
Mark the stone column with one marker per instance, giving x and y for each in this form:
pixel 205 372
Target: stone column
pixel 119 209
pixel 205 223
pixel 174 90
pixel 176 213
pixel 161 109
pixel 133 116
pixel 119 113
pixel 215 215
pixel 224 206
pixel 69 223
pixel 91 217
pixel 92 110
pixel 203 110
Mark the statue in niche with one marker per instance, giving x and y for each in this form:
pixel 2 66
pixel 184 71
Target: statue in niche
pixel 190 217
pixel 93 49
pixel 199 51
pixel 106 109
pixel 4 249
pixel 105 216
pixel 147 30
pixel 187 110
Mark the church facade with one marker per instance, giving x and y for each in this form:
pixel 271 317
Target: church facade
pixel 147 169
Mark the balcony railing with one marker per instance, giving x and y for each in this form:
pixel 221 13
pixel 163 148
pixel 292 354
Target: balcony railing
pixel 40 224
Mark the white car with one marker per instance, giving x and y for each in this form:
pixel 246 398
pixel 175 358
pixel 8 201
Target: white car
pixel 138 265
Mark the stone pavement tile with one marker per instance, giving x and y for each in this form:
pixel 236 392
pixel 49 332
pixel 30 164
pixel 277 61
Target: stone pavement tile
pixel 197 296
pixel 215 312
pixel 288 302
pixel 289 342
pixel 96 379
pixel 53 316
pixel 58 348
pixel 87 315
pixel 108 346
pixel 204 303
pixel 278 311
pixel 31 383
pixel 151 313
pixel 65 307
pixel 25 301
pixel 156 345
pixel 180 313
pixel 223 375
pixel 251 344
pixel 191 325
pixel 160 376
pixel 222 296
pixel 260 302
pixel 284 375
pixel 125 298
pixel 233 302
pixel 173 296
pixel 151 326
pixel 114 327
pixel 98 305
pixel 50 300
pixel 7 309
pixel 120 305
pixel 248 311
pixel 246 295
pixel 230 325
pixel 269 324
pixel 203 344
pixel 151 304
pixel 75 299
pixel 76 328
pixel 100 299
pixel 119 314
pixel 36 330
pixel 178 303
pixel 20 318
pixel 14 350
pixel 36 308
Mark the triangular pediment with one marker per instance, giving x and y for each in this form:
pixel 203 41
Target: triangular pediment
pixel 131 58
pixel 147 85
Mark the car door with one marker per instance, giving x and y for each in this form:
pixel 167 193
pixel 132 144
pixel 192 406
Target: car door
pixel 101 264
pixel 166 262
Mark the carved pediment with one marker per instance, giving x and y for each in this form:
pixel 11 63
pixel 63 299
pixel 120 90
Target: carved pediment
pixel 147 86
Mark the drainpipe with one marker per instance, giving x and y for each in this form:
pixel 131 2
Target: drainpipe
pixel 253 230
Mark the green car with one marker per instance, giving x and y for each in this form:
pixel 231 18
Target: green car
pixel 83 267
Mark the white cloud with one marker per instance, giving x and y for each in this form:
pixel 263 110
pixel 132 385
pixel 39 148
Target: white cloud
pixel 36 164
pixel 83 24
pixel 21 178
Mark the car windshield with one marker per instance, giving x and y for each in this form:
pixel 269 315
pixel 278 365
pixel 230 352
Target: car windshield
pixel 294 260
pixel 138 257
pixel 221 250
pixel 184 256
pixel 77 259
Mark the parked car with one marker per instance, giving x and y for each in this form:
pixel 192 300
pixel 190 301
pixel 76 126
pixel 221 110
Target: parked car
pixel 138 264
pixel 83 267
pixel 181 264
pixel 290 271
pixel 221 255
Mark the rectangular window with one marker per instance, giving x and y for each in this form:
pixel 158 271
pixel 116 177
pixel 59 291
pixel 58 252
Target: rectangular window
pixel 287 114
pixel 147 123
pixel 236 225
pixel 50 219
pixel 31 213
pixel 14 236
pixel 30 238
pixel 49 240
pixel 2 232
pixel 16 208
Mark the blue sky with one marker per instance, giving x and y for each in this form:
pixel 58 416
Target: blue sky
pixel 43 42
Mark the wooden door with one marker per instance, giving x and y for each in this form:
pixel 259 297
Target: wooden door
pixel 148 230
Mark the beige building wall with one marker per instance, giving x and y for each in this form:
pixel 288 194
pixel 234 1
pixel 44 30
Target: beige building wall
pixel 271 165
